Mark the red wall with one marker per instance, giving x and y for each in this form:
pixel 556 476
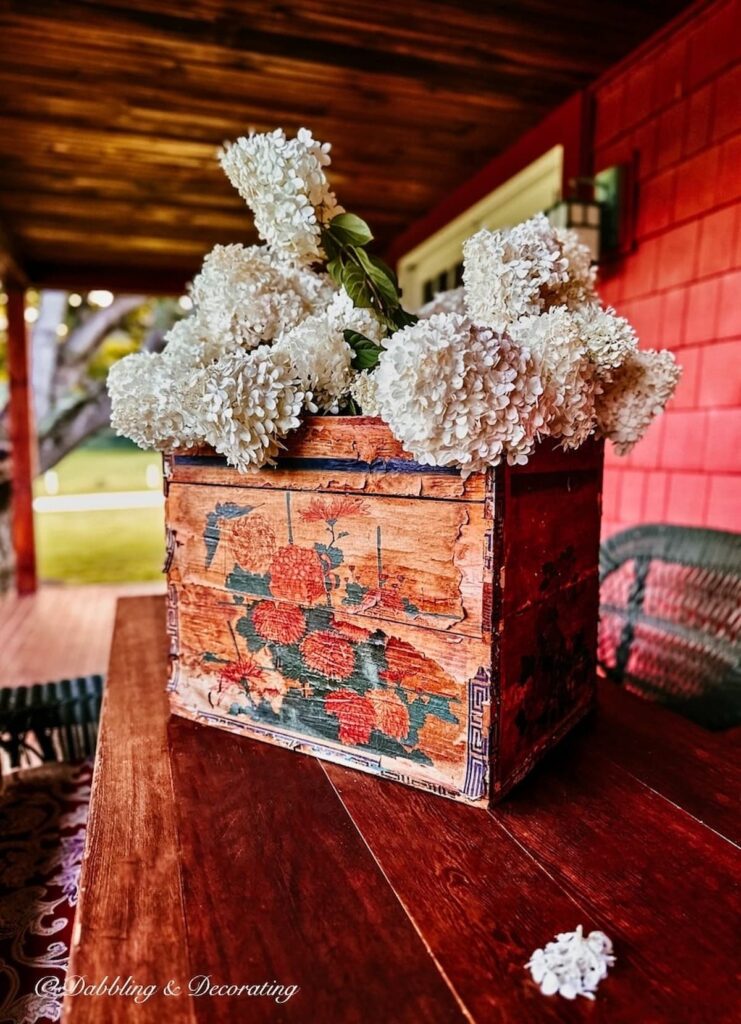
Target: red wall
pixel 673 106
pixel 677 104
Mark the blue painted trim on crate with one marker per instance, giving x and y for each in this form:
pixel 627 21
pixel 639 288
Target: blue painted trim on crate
pixel 477 765
pixel 327 465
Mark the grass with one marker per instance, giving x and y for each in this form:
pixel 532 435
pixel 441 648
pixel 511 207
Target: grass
pixel 113 546
pixel 94 470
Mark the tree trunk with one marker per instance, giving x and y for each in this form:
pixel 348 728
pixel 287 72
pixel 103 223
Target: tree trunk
pixel 44 350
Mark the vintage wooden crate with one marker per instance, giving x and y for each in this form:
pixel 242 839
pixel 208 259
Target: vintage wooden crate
pixel 354 605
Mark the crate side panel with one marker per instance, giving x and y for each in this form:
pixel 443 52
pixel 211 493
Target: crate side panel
pixel 404 702
pixel 546 678
pixel 548 558
pixel 330 474
pixel 551 533
pixel 385 559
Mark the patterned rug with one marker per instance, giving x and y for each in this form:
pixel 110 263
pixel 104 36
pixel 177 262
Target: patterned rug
pixel 43 816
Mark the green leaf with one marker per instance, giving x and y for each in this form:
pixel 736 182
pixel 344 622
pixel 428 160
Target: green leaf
pixel 401 318
pixel 349 229
pixel 356 285
pixel 383 283
pixel 387 270
pixel 366 352
pixel 330 246
pixel 334 269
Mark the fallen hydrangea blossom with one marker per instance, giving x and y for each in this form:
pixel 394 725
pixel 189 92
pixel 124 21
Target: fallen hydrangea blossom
pixel 572 965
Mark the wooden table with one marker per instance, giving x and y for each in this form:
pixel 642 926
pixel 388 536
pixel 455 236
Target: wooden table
pixel 210 854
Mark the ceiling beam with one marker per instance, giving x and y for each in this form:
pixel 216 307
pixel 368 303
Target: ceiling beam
pixel 122 279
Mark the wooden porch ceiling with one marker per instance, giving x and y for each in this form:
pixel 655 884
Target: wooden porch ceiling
pixel 110 112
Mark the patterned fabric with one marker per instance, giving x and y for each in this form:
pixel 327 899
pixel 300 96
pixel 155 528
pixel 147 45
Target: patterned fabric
pixel 43 817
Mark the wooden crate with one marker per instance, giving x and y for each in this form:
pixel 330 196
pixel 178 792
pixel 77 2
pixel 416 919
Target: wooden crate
pixel 392 617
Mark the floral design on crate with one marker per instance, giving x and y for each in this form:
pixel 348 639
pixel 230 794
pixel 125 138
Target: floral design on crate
pixel 298 664
pixel 313 673
pixel 368 583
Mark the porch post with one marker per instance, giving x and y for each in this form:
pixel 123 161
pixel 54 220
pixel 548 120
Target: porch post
pixel 23 441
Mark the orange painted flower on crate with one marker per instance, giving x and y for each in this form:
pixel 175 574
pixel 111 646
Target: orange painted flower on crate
pixel 239 673
pixel 272 688
pixel 296 574
pixel 356 715
pixel 408 667
pixel 392 715
pixel 351 631
pixel 328 653
pixel 331 509
pixel 252 541
pixel 281 623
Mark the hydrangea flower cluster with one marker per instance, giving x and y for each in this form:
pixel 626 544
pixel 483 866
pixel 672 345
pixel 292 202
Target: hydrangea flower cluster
pixel 244 296
pixel 636 393
pixel 524 271
pixel 250 401
pixel 523 351
pixel 320 356
pixel 560 354
pixel 456 394
pixel 284 183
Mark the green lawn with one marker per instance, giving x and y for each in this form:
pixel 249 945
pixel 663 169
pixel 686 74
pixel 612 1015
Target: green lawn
pixel 92 470
pixel 111 546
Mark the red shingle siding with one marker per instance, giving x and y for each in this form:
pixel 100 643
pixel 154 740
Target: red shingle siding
pixel 676 109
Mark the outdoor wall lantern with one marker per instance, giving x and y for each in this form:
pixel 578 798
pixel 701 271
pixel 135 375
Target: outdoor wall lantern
pixel 594 210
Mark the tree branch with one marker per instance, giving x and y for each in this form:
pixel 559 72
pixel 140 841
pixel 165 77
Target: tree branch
pixel 84 340
pixel 73 426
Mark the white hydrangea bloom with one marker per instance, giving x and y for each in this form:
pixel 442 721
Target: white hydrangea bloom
pixel 452 301
pixel 573 964
pixel 244 296
pixel 319 353
pixel 523 271
pixel 152 400
pixel 638 391
pixel 555 340
pixel 283 182
pixel 250 401
pixel 363 389
pixel 184 342
pixel 578 290
pixel 609 338
pixel 189 345
pixel 457 394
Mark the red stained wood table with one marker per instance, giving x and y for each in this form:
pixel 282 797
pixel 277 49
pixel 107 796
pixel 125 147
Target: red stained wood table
pixel 210 854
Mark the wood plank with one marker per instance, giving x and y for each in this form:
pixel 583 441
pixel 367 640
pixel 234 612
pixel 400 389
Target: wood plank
pixel 279 886
pixel 60 632
pixel 697 770
pixel 22 441
pixel 651 872
pixel 130 908
pixel 483 904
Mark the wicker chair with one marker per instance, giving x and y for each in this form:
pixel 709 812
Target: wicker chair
pixel 670 619
pixel 49 721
